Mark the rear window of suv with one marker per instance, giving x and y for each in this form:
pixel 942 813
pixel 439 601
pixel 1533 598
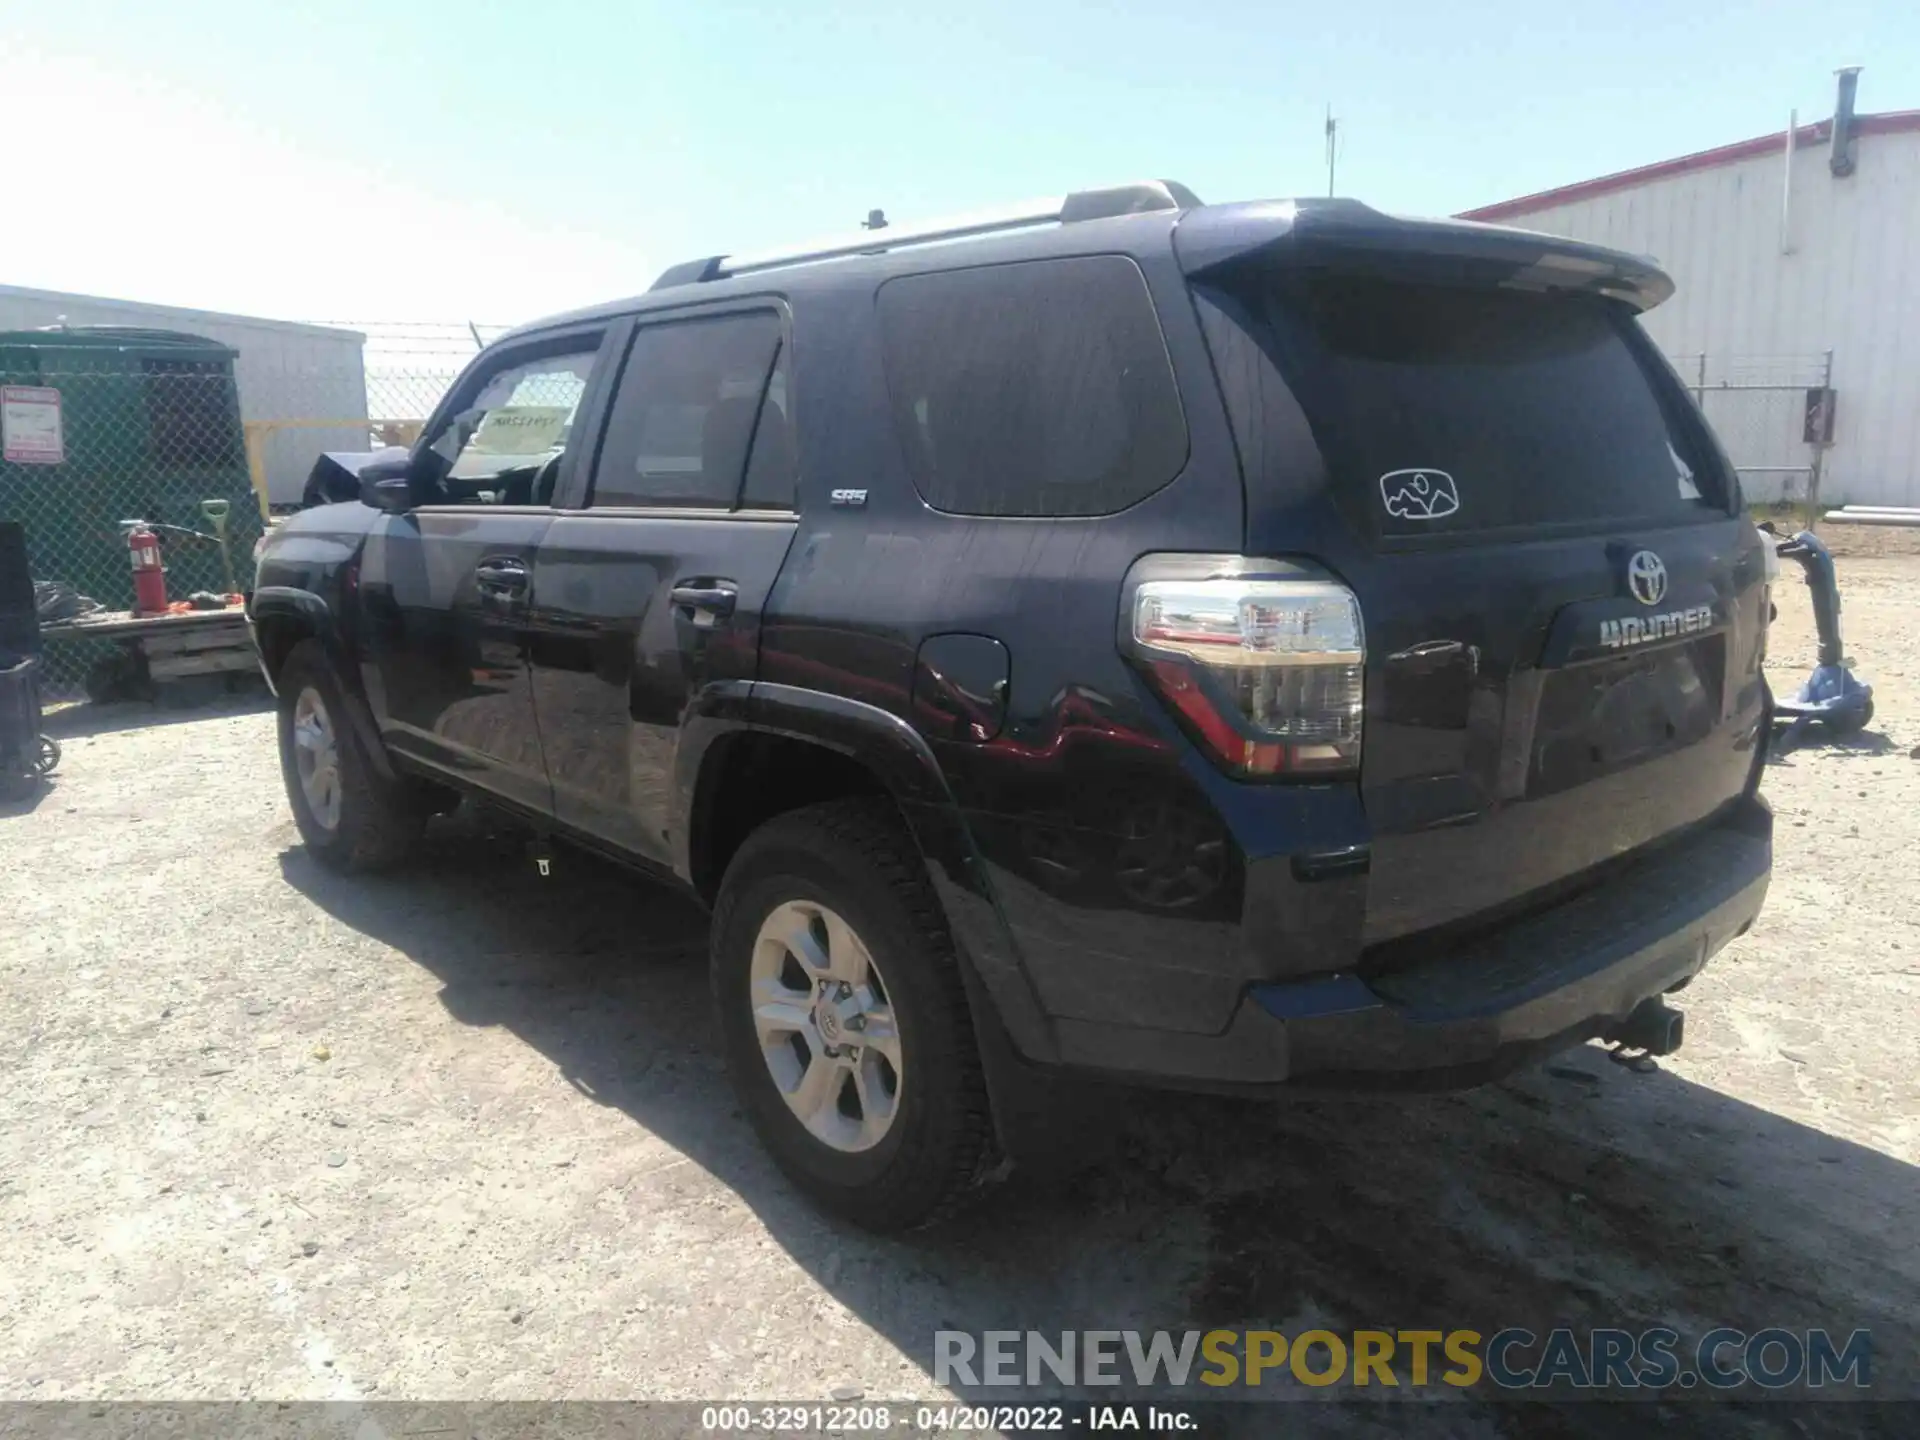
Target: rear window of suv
pixel 1038 388
pixel 1443 410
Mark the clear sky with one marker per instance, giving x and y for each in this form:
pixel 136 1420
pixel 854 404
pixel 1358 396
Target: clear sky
pixel 461 159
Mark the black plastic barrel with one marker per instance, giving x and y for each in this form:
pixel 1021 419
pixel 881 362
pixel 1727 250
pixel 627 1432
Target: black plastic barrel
pixel 19 715
pixel 19 614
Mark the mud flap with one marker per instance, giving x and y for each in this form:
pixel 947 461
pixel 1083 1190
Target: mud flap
pixel 1048 1125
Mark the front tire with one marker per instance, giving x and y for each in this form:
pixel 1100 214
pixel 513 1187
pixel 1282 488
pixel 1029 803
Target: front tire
pixel 350 816
pixel 844 1019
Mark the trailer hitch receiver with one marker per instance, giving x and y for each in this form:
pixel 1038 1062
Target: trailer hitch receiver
pixel 1654 1026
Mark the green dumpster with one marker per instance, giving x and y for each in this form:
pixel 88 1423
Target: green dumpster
pixel 105 424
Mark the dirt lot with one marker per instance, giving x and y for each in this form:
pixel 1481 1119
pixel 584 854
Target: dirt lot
pixel 267 1132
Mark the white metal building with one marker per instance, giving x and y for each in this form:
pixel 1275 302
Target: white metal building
pixel 284 372
pixel 1782 250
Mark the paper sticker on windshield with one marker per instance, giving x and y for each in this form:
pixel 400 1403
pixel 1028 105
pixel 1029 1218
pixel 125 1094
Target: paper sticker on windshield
pixel 521 430
pixel 1418 494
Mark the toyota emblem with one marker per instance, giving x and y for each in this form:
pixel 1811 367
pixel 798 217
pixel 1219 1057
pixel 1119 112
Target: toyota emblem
pixel 1647 577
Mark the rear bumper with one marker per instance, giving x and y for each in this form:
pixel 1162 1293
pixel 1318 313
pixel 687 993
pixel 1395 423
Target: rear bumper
pixel 1547 981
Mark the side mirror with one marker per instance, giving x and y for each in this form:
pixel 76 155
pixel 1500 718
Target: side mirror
pixel 386 485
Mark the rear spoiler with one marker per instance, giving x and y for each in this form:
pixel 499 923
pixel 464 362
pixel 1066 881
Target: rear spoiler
pixel 1348 236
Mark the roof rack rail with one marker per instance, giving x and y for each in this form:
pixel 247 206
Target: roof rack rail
pixel 1136 199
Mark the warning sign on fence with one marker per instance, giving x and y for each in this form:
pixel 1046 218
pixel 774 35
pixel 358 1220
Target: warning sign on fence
pixel 30 432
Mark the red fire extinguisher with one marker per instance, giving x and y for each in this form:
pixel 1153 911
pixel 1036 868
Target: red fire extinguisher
pixel 149 575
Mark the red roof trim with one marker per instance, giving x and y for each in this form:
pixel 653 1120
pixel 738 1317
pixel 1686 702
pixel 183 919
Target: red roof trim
pixel 1817 133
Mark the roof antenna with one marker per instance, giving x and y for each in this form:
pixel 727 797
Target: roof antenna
pixel 876 220
pixel 1333 133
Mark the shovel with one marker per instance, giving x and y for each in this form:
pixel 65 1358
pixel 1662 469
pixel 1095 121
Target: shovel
pixel 216 512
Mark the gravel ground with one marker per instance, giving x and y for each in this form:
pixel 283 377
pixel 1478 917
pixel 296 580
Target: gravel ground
pixel 464 1134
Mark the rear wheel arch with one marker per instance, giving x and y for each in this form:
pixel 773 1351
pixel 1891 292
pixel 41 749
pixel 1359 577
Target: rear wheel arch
pixel 751 752
pixel 749 777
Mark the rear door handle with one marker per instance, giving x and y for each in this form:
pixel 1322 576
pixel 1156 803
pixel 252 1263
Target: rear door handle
pixel 501 575
pixel 712 598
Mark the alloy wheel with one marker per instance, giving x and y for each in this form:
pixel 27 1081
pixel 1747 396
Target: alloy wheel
pixel 825 1023
pixel 316 758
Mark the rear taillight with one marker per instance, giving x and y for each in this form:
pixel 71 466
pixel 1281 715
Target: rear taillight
pixel 1267 670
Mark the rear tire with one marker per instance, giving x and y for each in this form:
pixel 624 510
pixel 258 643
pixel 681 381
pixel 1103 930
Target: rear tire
pixel 349 815
pixel 901 1134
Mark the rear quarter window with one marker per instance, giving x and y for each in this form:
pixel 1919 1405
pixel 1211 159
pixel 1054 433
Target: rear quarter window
pixel 1040 388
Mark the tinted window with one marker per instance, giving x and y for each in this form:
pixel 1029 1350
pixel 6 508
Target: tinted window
pixel 772 464
pixel 1443 410
pixel 683 426
pixel 1041 388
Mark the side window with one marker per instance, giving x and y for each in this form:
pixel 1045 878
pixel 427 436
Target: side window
pixel 773 464
pixel 1037 388
pixel 504 447
pixel 700 418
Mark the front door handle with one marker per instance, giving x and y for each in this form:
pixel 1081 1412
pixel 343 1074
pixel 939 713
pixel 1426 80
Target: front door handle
pixel 501 575
pixel 713 599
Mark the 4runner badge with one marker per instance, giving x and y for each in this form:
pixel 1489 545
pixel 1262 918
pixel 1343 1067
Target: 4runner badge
pixel 1634 630
pixel 1418 494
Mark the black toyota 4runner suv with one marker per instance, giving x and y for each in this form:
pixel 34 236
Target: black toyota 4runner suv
pixel 1218 646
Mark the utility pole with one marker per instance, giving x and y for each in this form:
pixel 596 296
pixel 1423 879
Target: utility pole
pixel 1333 129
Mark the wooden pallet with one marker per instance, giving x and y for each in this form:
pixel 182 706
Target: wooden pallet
pixel 204 650
pixel 198 642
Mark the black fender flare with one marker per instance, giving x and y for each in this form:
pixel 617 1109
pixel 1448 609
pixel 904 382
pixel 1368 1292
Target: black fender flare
pixel 906 766
pixel 314 615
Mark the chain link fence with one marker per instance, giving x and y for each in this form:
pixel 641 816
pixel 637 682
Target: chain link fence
pixel 406 367
pixel 1773 414
pixel 410 366
pixel 102 432
pixel 110 425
